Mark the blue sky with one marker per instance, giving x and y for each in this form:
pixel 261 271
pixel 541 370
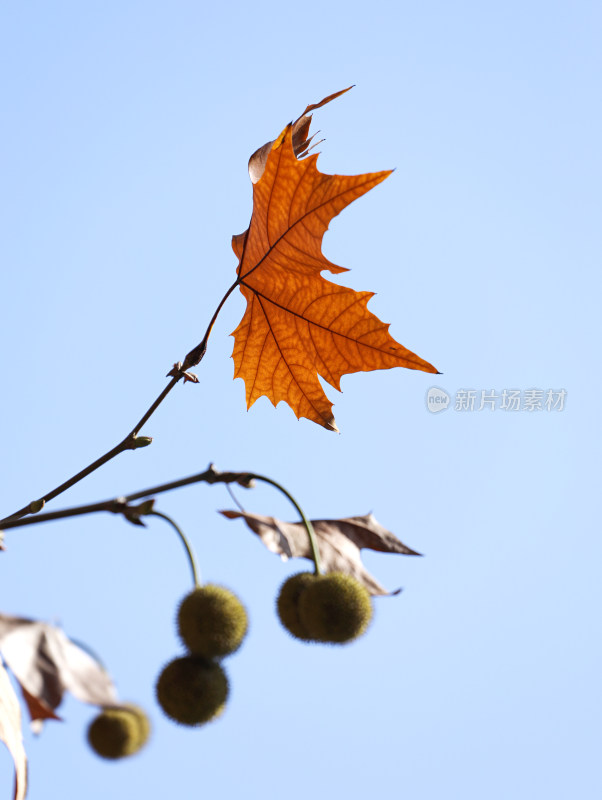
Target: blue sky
pixel 126 131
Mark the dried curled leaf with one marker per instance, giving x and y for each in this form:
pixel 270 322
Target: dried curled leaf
pixel 339 541
pixel 46 663
pixel 10 732
pixel 298 325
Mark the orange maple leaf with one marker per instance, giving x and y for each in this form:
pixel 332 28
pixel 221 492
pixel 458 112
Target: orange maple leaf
pixel 298 325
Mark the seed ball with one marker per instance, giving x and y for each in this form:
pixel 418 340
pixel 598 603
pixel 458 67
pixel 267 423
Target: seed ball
pixel 288 604
pixel 335 608
pixel 212 622
pixel 119 732
pixel 192 690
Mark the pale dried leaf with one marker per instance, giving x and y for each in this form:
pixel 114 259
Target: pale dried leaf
pixel 46 663
pixel 339 542
pixel 10 732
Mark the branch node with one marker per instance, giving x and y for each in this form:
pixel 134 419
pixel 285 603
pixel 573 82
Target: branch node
pixel 244 479
pixel 179 371
pixel 36 506
pixel 133 513
pixel 175 371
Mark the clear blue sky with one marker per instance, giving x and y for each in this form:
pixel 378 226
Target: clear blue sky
pixel 126 129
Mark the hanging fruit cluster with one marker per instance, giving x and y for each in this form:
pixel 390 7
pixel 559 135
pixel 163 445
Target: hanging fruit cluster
pixel 212 622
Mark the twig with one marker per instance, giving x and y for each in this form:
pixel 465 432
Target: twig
pixel 132 441
pixel 117 504
pixel 120 505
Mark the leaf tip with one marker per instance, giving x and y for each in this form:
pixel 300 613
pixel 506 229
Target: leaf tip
pixel 330 424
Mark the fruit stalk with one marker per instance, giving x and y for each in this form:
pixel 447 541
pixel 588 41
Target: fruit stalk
pixel 191 560
pixel 315 552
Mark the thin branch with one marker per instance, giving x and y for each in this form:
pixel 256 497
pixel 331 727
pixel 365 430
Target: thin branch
pixel 132 441
pixel 118 504
pixel 148 414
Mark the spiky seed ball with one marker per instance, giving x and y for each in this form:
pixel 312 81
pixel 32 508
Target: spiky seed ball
pixel 287 604
pixel 144 726
pixel 335 608
pixel 212 622
pixel 119 732
pixel 192 690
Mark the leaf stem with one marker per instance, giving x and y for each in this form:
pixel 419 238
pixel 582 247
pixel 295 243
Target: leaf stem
pixel 196 354
pixel 235 499
pixel 185 542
